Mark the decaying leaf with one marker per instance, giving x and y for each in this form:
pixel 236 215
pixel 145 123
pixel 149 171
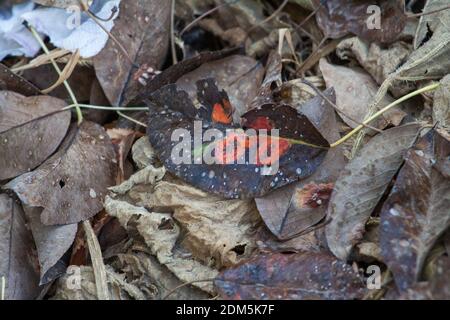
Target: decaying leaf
pixel 355 90
pixel 12 82
pixel 377 60
pixel 441 104
pixel 382 22
pixel 18 263
pixel 361 185
pixel 292 209
pixel 240 76
pixel 231 173
pixel 306 276
pixel 52 242
pixel 161 233
pixel 432 23
pixel 416 212
pixel 72 184
pixel 143 29
pixel 31 129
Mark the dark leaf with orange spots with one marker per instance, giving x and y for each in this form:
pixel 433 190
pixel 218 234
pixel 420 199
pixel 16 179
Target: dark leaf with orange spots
pixel 245 163
pixel 304 275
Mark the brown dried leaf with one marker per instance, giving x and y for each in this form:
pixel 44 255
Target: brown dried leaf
pixel 13 82
pixel 355 90
pixel 143 29
pixel 377 60
pixel 416 212
pixel 338 18
pixel 441 103
pixel 308 275
pixel 432 23
pixel 58 3
pixel 287 211
pixel 361 185
pixel 240 76
pixel 72 184
pixel 18 263
pixel 31 129
pixel 52 242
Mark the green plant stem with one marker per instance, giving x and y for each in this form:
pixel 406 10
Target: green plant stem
pixel 58 70
pixel 381 111
pixel 89 106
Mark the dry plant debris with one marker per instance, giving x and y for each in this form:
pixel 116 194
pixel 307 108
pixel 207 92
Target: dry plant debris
pixel 283 149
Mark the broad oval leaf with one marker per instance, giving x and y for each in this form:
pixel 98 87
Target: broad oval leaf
pixel 72 184
pixel 31 129
pixel 361 185
pixel 416 212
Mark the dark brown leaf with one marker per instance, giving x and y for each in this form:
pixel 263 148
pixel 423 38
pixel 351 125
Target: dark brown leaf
pixel 13 82
pixel 338 18
pixel 143 30
pixel 52 242
pixel 292 209
pixel 417 210
pixel 31 129
pixel 72 184
pixel 18 263
pixel 361 185
pixel 307 275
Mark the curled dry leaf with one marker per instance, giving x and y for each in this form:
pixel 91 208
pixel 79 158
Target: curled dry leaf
pixel 18 263
pixel 338 18
pixel 72 184
pixel 416 212
pixel 161 234
pixel 290 210
pixel 31 129
pixel 52 242
pixel 305 275
pixel 361 185
pixel 143 29
pixel 355 90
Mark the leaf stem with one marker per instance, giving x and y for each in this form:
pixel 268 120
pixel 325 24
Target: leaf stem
pixel 381 111
pixel 88 106
pixel 58 70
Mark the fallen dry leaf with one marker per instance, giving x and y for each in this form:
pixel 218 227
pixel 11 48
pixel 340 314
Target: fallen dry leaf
pixel 52 242
pixel 31 129
pixel 305 276
pixel 143 29
pixel 296 207
pixel 18 263
pixel 240 76
pixel 338 18
pixel 441 103
pixel 416 212
pixel 355 90
pixel 361 185
pixel 13 82
pixel 72 184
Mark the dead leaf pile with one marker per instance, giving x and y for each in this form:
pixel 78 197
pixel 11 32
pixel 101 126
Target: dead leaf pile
pixel 353 203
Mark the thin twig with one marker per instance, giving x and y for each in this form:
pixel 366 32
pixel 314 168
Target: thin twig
pixel 113 38
pixel 273 15
pixel 98 265
pixel 131 119
pixel 207 13
pixel 58 70
pixel 382 111
pixel 414 15
pixel 186 284
pixel 172 34
pixel 88 106
pixel 66 73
